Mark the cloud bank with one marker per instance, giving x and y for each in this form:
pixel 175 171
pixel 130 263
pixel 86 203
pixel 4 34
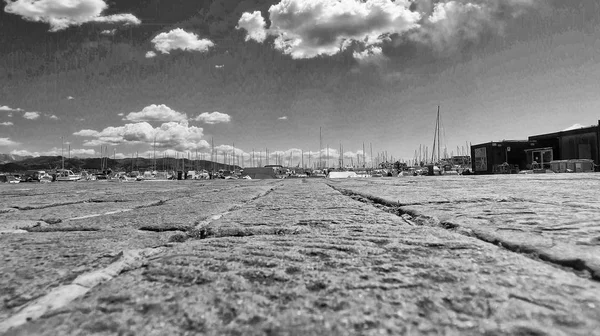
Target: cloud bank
pixel 61 14
pixel 170 135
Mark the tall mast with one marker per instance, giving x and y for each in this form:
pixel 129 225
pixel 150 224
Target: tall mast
pixel 438 133
pixel 154 150
pixel 371 145
pixel 364 160
pixel 435 136
pixel 62 151
pixel 320 148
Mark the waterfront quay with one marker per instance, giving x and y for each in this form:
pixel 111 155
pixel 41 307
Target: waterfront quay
pixel 439 255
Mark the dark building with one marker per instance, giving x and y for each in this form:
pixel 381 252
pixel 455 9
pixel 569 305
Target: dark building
pixel 507 156
pixel 574 146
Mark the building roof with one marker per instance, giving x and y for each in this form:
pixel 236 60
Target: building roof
pixel 576 131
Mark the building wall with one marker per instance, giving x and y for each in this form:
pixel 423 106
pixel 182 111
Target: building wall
pixel 487 156
pixel 580 146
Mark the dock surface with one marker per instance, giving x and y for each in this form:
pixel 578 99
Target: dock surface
pixel 461 255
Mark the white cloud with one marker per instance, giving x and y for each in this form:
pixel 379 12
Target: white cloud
pixel 108 32
pixel 52 116
pixel 7 142
pixel 127 19
pixel 23 152
pixel 6 108
pixel 371 55
pixel 6 123
pixel 172 135
pixel 255 25
pixel 445 24
pixel 70 97
pixel 150 54
pixel 283 118
pixel 81 152
pixel 308 28
pixel 213 118
pixel 31 115
pixel 180 39
pixel 61 14
pixel 121 114
pixel 156 113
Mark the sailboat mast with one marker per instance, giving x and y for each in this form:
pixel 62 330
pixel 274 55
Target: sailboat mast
pixel 435 133
pixel 371 144
pixel 320 148
pixel 154 153
pixel 438 132
pixel 364 160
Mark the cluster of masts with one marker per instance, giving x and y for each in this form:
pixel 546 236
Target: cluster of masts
pixel 229 158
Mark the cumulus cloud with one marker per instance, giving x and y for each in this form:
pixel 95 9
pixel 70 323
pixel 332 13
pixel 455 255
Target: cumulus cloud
pixel 371 55
pixel 156 113
pixel 31 115
pixel 108 32
pixel 213 118
pixel 447 24
pixel 61 14
pixel 283 118
pixel 179 136
pixel 309 28
pixel 70 97
pixel 180 39
pixel 9 109
pixel 7 142
pixel 52 116
pixel 255 25
pixel 150 54
pixel 6 123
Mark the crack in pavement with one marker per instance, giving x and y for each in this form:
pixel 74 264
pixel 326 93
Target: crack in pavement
pixel 63 295
pixel 571 264
pixel 127 260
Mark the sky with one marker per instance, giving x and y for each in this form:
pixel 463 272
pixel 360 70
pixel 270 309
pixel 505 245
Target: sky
pixel 292 76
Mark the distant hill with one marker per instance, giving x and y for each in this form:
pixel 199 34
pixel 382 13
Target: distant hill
pixel 6 158
pixel 95 164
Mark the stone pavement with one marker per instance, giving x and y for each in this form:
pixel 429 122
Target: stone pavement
pixel 554 216
pixel 291 257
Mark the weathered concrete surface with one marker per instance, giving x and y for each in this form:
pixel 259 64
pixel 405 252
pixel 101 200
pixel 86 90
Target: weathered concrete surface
pixel 305 259
pixel 554 216
pixel 42 248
